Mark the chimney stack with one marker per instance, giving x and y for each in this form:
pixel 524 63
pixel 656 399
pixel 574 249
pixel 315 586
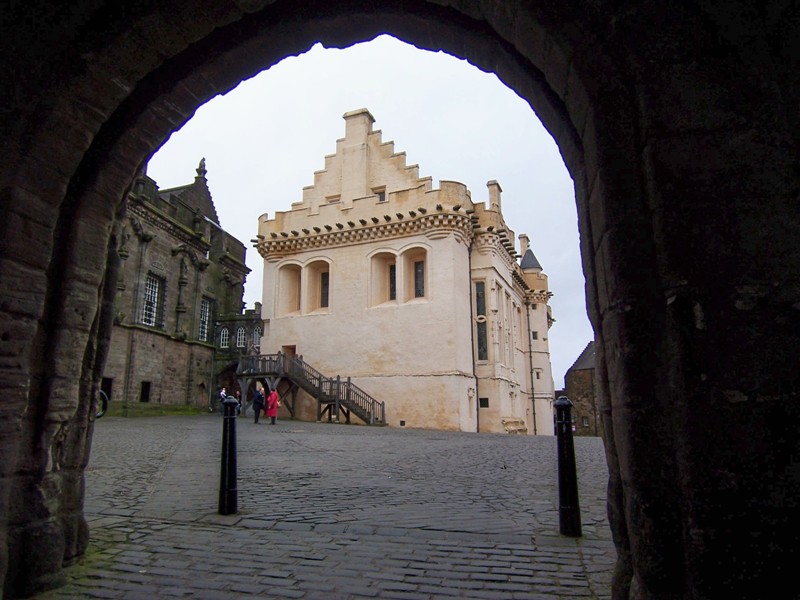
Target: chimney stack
pixel 358 125
pixel 524 243
pixel 494 195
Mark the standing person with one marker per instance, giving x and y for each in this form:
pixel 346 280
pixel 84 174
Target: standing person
pixel 238 402
pixel 222 395
pixel 258 402
pixel 273 402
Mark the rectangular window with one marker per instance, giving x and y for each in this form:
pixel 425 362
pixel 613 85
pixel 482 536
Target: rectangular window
pixel 153 306
pixel 480 298
pixel 483 402
pixel 205 317
pixel 483 352
pixel 324 281
pixel 585 421
pixel 392 282
pixel 419 279
pixel 380 193
pixel 480 326
pixel 534 335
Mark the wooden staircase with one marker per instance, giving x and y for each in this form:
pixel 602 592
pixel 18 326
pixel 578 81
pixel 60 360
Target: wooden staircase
pixel 333 394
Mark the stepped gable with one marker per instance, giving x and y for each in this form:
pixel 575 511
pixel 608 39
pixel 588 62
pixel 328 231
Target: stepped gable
pixel 362 166
pixel 366 191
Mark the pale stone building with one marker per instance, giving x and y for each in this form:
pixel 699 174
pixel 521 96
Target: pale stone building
pixel 414 292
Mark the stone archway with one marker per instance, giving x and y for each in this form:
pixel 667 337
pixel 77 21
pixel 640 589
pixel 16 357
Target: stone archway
pixel 679 127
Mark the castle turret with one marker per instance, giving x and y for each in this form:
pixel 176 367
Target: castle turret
pixel 529 261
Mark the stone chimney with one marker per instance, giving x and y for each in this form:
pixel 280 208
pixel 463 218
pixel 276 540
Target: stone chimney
pixel 358 125
pixel 524 243
pixel 494 195
pixel 355 162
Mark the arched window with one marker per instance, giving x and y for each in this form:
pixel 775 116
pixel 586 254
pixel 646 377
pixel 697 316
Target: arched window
pixel 257 336
pixel 241 337
pixel 383 274
pixel 414 272
pixel 318 283
pixel 224 338
pixel 288 290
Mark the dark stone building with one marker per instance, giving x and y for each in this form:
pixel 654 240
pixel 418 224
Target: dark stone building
pixel 235 336
pixel 580 388
pixel 180 278
pixel 678 123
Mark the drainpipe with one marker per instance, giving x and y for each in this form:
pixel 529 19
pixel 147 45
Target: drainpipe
pixel 530 359
pixel 144 240
pixel 472 341
pixel 212 380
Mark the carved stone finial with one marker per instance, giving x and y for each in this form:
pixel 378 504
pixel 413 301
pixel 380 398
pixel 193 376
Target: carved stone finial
pixel 201 169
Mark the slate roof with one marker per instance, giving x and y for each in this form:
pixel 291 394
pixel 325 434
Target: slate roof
pixel 529 261
pixel 585 360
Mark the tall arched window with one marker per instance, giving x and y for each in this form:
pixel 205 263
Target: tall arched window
pixel 318 284
pixel 288 290
pixel 383 275
pixel 241 337
pixel 257 336
pixel 414 274
pixel 224 338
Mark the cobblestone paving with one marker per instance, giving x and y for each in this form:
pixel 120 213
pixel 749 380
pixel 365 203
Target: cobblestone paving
pixel 335 511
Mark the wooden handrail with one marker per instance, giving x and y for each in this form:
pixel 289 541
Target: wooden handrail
pixel 326 389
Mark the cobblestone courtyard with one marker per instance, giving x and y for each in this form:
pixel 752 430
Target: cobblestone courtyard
pixel 335 511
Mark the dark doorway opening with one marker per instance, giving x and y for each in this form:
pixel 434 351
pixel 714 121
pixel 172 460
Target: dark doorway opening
pixel 106 386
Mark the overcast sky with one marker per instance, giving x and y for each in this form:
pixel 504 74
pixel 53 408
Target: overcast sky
pixel 263 141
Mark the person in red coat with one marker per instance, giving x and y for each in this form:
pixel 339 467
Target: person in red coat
pixel 272 406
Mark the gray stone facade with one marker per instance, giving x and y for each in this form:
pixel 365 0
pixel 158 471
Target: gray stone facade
pixel 181 277
pixel 581 388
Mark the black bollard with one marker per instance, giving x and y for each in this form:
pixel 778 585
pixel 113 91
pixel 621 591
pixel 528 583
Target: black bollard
pixel 228 494
pixel 569 512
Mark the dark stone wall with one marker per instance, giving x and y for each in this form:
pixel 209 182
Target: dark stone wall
pixel 678 122
pixel 580 389
pixel 166 234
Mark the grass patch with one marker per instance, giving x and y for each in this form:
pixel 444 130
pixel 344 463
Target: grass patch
pixel 150 409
